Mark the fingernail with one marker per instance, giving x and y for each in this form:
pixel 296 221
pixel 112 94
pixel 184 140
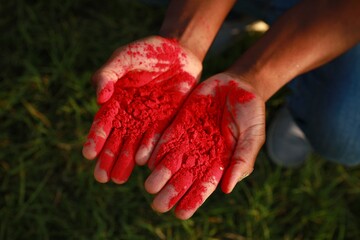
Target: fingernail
pixel 243 176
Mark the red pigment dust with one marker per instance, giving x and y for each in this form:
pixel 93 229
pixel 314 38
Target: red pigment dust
pixel 197 151
pixel 106 92
pixel 168 51
pixel 142 105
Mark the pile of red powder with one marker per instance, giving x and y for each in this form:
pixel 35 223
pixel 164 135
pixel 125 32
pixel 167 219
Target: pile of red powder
pixel 197 149
pixel 142 105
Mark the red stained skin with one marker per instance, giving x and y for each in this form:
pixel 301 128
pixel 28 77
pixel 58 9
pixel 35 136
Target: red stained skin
pixel 104 123
pixel 143 103
pixel 241 96
pixel 141 109
pixel 200 143
pixel 106 92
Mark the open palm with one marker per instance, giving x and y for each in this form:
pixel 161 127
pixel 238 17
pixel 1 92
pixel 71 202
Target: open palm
pixel 215 136
pixel 140 88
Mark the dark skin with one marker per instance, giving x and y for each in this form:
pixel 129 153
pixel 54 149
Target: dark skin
pixel 195 23
pixel 304 38
pixel 307 36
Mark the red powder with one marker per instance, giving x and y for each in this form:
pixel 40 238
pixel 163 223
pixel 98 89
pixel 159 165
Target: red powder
pixel 240 96
pixel 106 92
pixel 196 150
pixel 142 105
pixel 166 54
pixel 142 109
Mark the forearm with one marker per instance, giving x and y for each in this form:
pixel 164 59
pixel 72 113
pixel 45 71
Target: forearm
pixel 307 36
pixel 194 23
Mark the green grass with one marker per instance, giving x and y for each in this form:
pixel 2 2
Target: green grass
pixel 47 191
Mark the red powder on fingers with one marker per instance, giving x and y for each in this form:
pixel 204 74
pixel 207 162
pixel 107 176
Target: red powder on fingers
pixel 144 107
pixel 144 102
pixel 183 182
pixel 100 128
pixel 196 136
pixel 106 92
pixel 159 55
pixel 200 142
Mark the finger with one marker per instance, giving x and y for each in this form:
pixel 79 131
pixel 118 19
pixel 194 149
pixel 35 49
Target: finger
pixel 173 191
pixel 125 162
pixel 199 192
pixel 237 171
pixel 169 140
pixel 99 130
pixel 229 129
pixel 96 138
pixel 163 172
pixel 148 143
pixel 242 162
pixel 105 78
pixel 207 88
pixel 248 112
pixel 108 156
pixel 105 81
pixel 161 149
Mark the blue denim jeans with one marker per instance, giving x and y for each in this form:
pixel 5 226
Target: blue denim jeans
pixel 325 102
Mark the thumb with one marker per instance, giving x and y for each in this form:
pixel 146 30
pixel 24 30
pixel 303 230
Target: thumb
pixel 242 161
pixel 106 77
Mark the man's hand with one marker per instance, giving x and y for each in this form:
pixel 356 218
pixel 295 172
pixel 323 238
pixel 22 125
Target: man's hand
pixel 215 136
pixel 140 88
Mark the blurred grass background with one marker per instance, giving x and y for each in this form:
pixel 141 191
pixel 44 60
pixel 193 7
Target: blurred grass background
pixel 49 49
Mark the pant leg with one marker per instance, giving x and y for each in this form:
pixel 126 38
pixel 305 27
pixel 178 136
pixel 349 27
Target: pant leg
pixel 266 10
pixel 325 102
pixel 326 105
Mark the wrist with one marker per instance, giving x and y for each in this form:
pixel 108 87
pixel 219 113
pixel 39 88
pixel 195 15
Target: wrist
pixel 298 42
pixel 264 82
pixel 265 69
pixel 194 24
pixel 186 38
